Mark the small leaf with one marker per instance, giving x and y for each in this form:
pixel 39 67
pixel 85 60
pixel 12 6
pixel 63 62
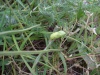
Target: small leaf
pixel 93 30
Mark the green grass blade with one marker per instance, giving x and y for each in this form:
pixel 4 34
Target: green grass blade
pixel 17 31
pixel 28 52
pixel 64 63
pixel 16 44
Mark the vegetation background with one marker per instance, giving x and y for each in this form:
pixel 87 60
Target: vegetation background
pixel 25 44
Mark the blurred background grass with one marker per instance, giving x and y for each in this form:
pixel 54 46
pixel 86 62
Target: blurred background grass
pixel 80 20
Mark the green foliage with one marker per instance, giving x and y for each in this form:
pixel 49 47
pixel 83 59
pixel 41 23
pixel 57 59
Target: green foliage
pixel 26 25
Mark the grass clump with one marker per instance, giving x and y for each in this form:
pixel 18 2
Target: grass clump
pixel 25 44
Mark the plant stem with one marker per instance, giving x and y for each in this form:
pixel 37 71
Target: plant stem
pixel 39 56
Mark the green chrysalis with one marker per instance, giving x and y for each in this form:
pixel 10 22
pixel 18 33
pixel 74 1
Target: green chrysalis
pixel 56 35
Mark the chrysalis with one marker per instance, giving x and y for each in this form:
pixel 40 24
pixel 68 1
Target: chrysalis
pixel 56 35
